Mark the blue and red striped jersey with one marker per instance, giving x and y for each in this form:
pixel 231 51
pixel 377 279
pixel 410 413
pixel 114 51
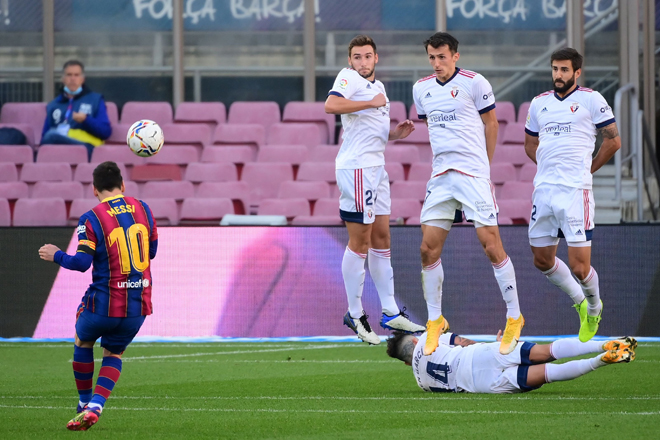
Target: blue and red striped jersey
pixel 121 234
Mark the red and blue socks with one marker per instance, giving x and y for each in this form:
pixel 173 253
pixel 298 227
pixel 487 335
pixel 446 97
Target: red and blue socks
pixel 83 371
pixel 108 377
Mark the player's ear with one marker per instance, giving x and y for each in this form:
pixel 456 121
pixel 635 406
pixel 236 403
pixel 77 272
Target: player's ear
pixel 456 57
pixel 123 187
pixel 375 58
pixel 578 73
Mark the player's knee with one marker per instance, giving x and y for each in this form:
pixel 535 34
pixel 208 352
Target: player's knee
pixel 428 253
pixel 581 271
pixel 543 263
pixel 494 252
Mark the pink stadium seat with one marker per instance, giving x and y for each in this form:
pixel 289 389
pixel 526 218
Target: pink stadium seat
pixel 264 113
pixel 243 134
pixel 506 112
pixel 425 152
pixel 522 112
pixel 326 207
pixel 306 190
pixel 405 154
pixel 131 190
pixel 517 191
pixel 40 212
pixel 238 192
pixel 168 190
pixel 323 171
pixel 30 113
pixel 213 113
pixel 265 179
pixel 502 172
pixel 78 208
pixel 164 210
pixel 159 112
pixel 420 171
pixel 179 155
pixel 153 172
pixel 323 153
pixel 16 154
pixel 415 220
pixel 287 207
pixel 187 134
pixel 294 154
pixel 84 171
pixel 205 211
pixel 211 172
pixel 14 190
pixel 26 129
pixel 65 190
pixel 294 134
pixel 117 154
pixel 408 190
pixel 517 210
pixel 513 154
pixel 397 112
pixel 501 220
pixel 405 208
pixel 296 111
pixel 113 113
pixel 413 115
pixel 419 136
pixel 53 171
pixel 118 136
pixel 71 154
pixel 528 172
pixel 5 213
pixel 317 220
pixel 514 134
pixel 229 153
pixel 8 172
pixel 395 171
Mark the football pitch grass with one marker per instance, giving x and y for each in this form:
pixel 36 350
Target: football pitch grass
pixel 311 390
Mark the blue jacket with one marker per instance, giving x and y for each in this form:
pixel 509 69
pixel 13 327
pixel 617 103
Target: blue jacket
pixel 96 123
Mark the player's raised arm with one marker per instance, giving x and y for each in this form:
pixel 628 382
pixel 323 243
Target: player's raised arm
pixel 338 105
pixel 611 144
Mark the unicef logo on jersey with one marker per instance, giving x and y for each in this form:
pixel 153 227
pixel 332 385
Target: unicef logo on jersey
pixel 558 128
pixel 133 284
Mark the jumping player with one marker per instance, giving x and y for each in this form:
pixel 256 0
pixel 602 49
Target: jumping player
pixel 560 134
pixel 119 237
pixel 364 203
pixel 459 108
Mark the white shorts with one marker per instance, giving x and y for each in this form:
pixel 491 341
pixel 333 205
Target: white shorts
pixel 560 211
pixel 364 194
pixel 495 373
pixel 453 190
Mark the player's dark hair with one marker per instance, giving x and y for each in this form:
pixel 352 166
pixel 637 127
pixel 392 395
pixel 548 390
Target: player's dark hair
pixel 400 346
pixel 107 177
pixel 567 53
pixel 359 41
pixel 73 63
pixel 442 39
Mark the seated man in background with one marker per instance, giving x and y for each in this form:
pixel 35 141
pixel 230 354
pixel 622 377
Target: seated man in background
pixel 77 116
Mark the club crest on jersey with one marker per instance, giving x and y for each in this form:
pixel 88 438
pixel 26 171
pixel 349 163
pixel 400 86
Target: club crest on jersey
pixel 574 107
pixel 343 83
pixel 454 92
pixel 370 213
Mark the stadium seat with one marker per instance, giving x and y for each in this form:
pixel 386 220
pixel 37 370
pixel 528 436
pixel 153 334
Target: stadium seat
pixel 413 115
pixel 307 190
pixel 264 113
pixel 522 112
pixel 144 173
pixel 78 208
pixel 518 211
pixel 207 211
pixel 238 192
pixel 84 171
pixel 14 190
pixel 117 154
pixel 409 190
pixel 528 172
pixel 420 171
pixel 264 179
pixel 238 154
pixel 40 212
pixel 326 207
pixel 405 154
pixel 287 207
pixel 425 152
pixel 165 190
pixel 253 135
pixel 296 111
pixel 52 171
pixel 405 208
pixel 323 153
pixel 294 154
pixel 31 113
pixel 502 172
pixel 113 113
pixel 179 155
pixel 8 172
pixel 513 154
pixel 397 112
pixel 67 191
pixel 16 154
pixel 211 172
pixel 187 134
pixel 517 191
pixel 211 113
pixel 294 134
pixel 414 220
pixel 322 171
pixel 501 220
pixel 159 112
pixel 506 112
pixel 419 136
pixel 5 213
pixel 118 135
pixel 514 134
pixel 395 171
pixel 26 129
pixel 71 154
pixel 164 210
pixel 317 220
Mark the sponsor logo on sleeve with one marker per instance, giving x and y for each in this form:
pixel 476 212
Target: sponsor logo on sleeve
pixel 605 109
pixel 81 229
pixel 343 83
pixel 488 95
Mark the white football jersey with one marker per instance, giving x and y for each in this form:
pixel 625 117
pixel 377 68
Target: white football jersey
pixel 365 132
pixel 453 111
pixel 566 128
pixel 447 369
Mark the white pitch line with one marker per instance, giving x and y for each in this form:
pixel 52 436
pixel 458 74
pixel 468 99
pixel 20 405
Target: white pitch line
pixel 257 361
pixel 355 411
pixel 173 356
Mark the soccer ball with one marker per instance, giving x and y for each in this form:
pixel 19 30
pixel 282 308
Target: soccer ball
pixel 145 138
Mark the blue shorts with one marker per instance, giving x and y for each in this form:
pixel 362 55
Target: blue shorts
pixel 115 333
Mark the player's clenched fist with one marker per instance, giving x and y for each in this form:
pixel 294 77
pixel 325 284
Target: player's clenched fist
pixel 379 100
pixel 47 252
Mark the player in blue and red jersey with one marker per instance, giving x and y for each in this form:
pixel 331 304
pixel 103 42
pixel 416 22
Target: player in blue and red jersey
pixel 119 237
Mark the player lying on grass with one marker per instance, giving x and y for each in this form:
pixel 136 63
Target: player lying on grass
pixel 462 365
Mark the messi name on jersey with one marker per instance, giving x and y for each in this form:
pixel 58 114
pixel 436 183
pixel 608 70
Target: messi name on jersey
pixel 120 209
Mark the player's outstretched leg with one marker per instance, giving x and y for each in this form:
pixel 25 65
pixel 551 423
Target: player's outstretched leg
pixel 432 277
pixel 506 279
pixel 361 328
pixel 620 344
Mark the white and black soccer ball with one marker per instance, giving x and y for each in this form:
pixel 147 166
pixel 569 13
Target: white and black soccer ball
pixel 145 138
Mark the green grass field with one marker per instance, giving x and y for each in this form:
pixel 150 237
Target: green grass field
pixel 312 390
